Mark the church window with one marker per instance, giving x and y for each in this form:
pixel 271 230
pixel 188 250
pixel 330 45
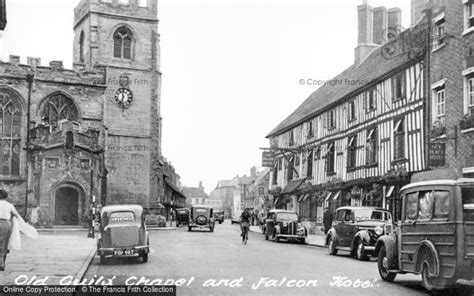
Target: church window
pixel 81 47
pixel 124 2
pixel 58 107
pixel 143 3
pixel 123 38
pixel 10 133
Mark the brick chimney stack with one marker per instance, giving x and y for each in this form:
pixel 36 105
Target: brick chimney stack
pixel 365 39
pixel 380 25
pixel 374 24
pixel 395 18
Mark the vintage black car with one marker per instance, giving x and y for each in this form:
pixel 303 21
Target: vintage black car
pixel 219 217
pixel 123 232
pixel 284 224
pixel 356 230
pixel 201 216
pixel 182 216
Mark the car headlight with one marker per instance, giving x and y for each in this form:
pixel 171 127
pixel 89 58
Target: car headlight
pixel 285 224
pixel 378 230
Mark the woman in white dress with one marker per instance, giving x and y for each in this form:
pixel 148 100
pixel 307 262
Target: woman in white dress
pixel 7 211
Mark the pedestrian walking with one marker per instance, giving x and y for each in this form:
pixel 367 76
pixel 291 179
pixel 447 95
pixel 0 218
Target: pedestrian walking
pixel 7 212
pixel 327 220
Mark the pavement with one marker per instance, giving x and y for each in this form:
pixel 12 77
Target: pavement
pixel 58 254
pixel 51 258
pixel 311 239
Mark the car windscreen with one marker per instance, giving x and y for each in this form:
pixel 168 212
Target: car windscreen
pixel 371 215
pixel 120 217
pixel 287 216
pixel 201 211
pixel 468 203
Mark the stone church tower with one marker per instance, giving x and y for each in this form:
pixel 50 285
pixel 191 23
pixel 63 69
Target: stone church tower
pixel 121 36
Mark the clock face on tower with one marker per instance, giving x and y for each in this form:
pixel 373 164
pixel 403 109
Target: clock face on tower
pixel 123 97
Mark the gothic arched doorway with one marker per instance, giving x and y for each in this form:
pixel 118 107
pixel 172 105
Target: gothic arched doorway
pixel 66 206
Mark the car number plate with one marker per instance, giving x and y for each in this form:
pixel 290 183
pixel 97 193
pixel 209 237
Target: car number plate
pixel 127 252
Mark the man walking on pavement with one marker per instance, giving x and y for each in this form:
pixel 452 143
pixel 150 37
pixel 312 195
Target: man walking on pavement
pixel 327 220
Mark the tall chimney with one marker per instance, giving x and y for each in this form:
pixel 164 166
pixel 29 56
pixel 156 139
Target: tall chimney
pixel 380 25
pixel 395 19
pixel 365 38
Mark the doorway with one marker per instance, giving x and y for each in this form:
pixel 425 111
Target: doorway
pixel 66 207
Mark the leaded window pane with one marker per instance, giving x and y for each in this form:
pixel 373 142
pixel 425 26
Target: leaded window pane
pixel 10 132
pixel 59 107
pixel 123 39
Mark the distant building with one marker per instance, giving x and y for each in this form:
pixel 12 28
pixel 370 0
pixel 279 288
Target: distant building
pixel 235 193
pixel 196 195
pixel 261 200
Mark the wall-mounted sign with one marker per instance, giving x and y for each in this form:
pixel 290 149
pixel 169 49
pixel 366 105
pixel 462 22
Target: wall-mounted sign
pixel 437 154
pixel 267 159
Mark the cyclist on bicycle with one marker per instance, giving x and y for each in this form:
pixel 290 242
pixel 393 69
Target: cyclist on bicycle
pixel 245 224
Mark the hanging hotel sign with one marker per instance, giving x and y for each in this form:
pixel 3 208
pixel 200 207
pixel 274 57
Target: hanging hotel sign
pixel 437 154
pixel 267 159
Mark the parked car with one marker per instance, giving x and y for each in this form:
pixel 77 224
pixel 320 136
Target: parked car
pixel 123 233
pixel 219 217
pixel 356 230
pixel 201 217
pixel 435 236
pixel 284 224
pixel 182 216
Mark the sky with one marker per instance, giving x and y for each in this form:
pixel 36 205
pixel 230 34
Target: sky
pixel 231 69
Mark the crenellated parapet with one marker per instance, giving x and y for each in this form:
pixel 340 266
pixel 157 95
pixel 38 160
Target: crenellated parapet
pixel 55 72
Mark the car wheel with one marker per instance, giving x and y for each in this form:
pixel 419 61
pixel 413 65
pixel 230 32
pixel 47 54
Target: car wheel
pixel 332 247
pixel 302 241
pixel 102 259
pixel 382 264
pixel 145 257
pixel 211 229
pixel 431 282
pixel 189 228
pixel 360 251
